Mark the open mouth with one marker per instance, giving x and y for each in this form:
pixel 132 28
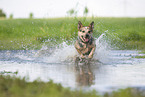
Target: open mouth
pixel 85 39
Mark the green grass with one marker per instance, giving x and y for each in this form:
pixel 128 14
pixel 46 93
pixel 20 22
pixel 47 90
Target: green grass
pixel 16 87
pixel 139 57
pixel 142 52
pixel 8 72
pixel 124 33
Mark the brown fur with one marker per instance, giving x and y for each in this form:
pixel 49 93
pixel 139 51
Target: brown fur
pixel 85 44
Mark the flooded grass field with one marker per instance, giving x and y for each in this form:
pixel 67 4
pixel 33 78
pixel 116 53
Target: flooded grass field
pixel 44 50
pixel 108 70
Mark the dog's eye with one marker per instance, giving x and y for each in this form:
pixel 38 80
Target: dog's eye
pixel 89 31
pixel 80 30
pixel 83 31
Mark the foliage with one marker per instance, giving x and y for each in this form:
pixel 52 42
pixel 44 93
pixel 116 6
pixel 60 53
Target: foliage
pixel 8 72
pixel 11 16
pixel 19 87
pixel 2 14
pixel 139 56
pixel 16 87
pixel 31 15
pixel 124 33
pixel 72 12
pixel 86 11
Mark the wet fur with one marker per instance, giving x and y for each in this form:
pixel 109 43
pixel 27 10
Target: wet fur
pixel 85 44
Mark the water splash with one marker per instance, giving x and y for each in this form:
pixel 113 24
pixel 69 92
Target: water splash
pixel 60 53
pixel 68 53
pixel 102 49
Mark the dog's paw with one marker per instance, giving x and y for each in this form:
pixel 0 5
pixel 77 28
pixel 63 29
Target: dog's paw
pixel 90 56
pixel 82 56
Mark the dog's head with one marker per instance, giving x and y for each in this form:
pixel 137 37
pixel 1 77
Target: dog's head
pixel 85 32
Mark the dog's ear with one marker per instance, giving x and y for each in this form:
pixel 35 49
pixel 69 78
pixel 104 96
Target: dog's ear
pixel 79 25
pixel 92 25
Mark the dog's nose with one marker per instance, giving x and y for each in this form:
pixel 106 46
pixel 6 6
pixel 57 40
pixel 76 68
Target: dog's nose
pixel 87 35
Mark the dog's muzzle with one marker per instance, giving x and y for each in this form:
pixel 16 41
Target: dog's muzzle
pixel 86 38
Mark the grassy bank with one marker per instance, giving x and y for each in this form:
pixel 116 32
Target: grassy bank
pixel 16 87
pixel 124 33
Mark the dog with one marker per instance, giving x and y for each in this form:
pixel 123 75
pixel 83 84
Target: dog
pixel 85 43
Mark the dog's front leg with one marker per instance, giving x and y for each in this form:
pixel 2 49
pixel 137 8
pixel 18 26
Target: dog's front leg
pixel 91 53
pixel 82 56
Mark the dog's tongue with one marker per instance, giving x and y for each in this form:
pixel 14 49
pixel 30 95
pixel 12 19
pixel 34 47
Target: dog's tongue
pixel 86 39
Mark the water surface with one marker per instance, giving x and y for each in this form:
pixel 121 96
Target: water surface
pixel 119 69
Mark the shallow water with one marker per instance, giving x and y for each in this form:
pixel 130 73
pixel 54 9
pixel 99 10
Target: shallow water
pixel 121 70
pixel 108 70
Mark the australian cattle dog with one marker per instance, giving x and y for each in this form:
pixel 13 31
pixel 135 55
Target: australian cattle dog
pixel 85 44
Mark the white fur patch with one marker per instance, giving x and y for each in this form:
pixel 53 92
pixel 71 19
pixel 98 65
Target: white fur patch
pixel 86 28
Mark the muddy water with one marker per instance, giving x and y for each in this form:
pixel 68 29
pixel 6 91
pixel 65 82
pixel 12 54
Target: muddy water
pixel 108 69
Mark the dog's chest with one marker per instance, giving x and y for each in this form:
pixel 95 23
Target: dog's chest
pixel 84 48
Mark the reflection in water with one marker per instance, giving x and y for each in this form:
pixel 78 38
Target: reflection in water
pixel 84 74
